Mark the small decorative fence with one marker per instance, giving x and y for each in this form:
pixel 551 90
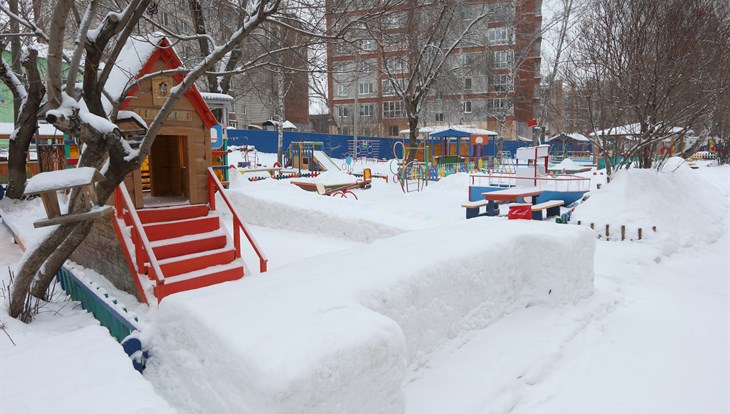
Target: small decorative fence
pixel 122 325
pixel 619 233
pixel 558 182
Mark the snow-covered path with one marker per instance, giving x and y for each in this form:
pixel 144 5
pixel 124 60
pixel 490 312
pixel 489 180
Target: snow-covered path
pixel 654 337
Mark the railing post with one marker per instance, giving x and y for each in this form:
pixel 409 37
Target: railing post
pixel 118 202
pixel 211 190
pixel 237 228
pixel 138 251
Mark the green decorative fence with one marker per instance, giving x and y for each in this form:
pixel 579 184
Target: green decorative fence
pixel 108 311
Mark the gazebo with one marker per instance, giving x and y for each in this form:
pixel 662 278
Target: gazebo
pixel 575 146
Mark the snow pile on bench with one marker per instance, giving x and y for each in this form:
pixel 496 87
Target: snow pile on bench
pixel 676 199
pixel 338 333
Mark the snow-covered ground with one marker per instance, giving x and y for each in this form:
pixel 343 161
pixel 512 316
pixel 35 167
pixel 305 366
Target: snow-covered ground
pixel 395 303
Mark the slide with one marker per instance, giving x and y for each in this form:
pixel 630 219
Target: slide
pixel 325 161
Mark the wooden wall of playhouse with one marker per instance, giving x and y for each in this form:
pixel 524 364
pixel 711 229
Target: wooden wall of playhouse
pixel 184 139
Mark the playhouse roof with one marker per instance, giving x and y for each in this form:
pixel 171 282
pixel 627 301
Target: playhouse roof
pixel 137 59
pixel 576 136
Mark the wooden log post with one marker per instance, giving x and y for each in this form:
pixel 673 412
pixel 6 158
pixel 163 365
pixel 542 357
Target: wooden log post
pixel 607 234
pixel 623 232
pixel 639 233
pixel 654 228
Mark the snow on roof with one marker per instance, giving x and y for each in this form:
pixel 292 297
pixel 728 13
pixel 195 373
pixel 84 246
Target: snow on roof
pixel 45 130
pixel 286 125
pixel 55 180
pixel 574 135
pixel 630 129
pixel 210 96
pixel 469 129
pixel 135 53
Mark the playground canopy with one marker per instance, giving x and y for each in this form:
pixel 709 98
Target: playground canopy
pixel 453 131
pixel 574 136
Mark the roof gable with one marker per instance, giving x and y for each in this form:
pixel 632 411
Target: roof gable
pixel 143 55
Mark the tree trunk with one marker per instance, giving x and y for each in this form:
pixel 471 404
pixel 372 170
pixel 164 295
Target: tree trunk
pixel 31 262
pixel 412 139
pixel 26 123
pixel 58 257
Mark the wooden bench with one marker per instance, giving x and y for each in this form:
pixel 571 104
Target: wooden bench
pixel 472 207
pixel 552 207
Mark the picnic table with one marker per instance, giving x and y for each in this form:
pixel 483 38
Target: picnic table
pixel 510 194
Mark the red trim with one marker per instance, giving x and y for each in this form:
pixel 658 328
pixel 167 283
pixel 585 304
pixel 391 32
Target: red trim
pixel 165 52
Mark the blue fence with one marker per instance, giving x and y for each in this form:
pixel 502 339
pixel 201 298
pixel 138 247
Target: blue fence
pixel 121 325
pixel 332 144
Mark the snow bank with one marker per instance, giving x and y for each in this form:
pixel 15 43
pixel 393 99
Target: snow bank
pixel 35 380
pixel 676 199
pixel 338 332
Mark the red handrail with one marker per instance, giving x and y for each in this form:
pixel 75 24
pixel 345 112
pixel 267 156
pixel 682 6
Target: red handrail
pixel 238 224
pixel 142 246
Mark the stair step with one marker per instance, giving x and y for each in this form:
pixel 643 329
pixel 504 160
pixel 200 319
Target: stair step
pixel 184 264
pixel 162 214
pixel 180 228
pixel 196 243
pixel 200 278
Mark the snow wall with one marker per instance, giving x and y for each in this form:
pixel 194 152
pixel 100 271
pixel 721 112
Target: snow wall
pixel 340 332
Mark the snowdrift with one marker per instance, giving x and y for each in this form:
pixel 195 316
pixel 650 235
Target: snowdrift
pixel 676 199
pixel 338 333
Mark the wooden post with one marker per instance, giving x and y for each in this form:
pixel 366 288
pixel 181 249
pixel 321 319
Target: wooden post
pixel 623 232
pixel 654 228
pixel 579 222
pixel 606 230
pixel 592 226
pixel 639 233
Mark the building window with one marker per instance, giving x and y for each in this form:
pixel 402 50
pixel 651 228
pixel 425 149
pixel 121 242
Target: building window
pixel 365 66
pixel 366 88
pixel 393 21
pixel 232 124
pixel 501 83
pixel 393 130
pixel 393 109
pixel 342 90
pixel 467 59
pixel 502 12
pixel 440 117
pixel 502 59
pixel 165 18
pixel 499 36
pixel 184 27
pixel 466 106
pixel 389 90
pixel 368 45
pixel 467 84
pixel 394 66
pixel 500 105
pixel 367 110
pixel 343 111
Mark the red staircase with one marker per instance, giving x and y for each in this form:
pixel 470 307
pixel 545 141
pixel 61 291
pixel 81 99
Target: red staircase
pixel 174 249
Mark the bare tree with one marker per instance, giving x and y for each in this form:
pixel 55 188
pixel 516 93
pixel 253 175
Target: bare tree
pixel 657 63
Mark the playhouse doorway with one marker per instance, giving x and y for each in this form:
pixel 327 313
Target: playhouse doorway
pixel 166 171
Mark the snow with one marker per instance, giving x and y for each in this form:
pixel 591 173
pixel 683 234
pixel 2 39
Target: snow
pixel 45 130
pixel 376 318
pixel 396 303
pixel 64 361
pixel 675 200
pixel 55 180
pixel 133 56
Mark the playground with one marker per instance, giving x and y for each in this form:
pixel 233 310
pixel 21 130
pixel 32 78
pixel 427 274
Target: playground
pixel 395 302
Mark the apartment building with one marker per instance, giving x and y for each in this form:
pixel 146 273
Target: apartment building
pixel 490 80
